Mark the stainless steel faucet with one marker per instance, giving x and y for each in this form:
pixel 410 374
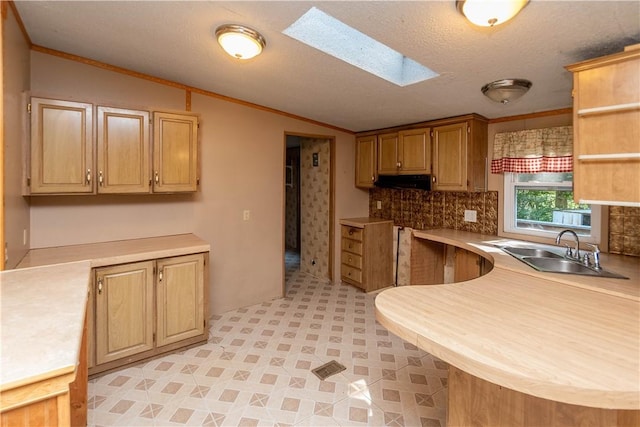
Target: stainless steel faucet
pixel 569 253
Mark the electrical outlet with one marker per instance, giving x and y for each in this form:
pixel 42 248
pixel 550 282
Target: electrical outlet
pixel 378 204
pixel 470 215
pixel 246 215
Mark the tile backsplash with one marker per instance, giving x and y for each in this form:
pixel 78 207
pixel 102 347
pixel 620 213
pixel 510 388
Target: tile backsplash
pixel 423 210
pixel 624 230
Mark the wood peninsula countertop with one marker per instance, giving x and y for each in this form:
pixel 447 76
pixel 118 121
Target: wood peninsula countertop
pixel 566 338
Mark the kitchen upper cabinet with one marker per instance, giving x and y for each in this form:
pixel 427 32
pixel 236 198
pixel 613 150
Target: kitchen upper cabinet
pixel 66 157
pixel 175 153
pixel 179 298
pixel 406 152
pixel 61 152
pixel 606 130
pixel 460 155
pixel 123 151
pixel 366 157
pixel 124 311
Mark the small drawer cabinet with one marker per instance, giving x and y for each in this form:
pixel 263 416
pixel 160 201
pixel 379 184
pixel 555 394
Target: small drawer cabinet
pixel 366 258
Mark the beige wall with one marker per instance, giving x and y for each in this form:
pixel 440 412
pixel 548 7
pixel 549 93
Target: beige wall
pixel 242 161
pixel 16 63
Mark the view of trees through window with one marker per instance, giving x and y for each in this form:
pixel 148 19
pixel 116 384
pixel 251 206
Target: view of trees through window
pixel 545 201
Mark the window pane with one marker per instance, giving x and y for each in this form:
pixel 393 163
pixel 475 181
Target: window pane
pixel 551 209
pixel 545 177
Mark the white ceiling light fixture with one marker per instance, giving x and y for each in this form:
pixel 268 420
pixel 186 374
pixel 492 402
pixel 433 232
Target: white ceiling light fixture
pixel 506 90
pixel 239 41
pixel 487 13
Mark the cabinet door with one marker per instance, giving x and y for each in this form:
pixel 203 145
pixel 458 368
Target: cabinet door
pixel 415 151
pixel 365 161
pixel 450 157
pixel 124 310
pixel 175 153
pixel 123 151
pixel 606 142
pixel 388 154
pixel 180 300
pixel 61 147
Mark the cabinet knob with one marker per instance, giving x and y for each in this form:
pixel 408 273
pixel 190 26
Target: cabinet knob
pixel 433 179
pixel 100 287
pixel 373 178
pixel 156 177
pixel 350 232
pixel 88 176
pixel 399 164
pixel 100 179
pixel 349 259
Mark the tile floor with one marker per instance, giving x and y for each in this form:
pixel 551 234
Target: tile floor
pixel 255 370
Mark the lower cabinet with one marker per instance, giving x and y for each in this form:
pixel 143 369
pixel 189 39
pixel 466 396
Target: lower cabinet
pixel 435 263
pixel 146 308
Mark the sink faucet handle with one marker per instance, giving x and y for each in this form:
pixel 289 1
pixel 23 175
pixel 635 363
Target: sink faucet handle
pixel 569 252
pixel 596 256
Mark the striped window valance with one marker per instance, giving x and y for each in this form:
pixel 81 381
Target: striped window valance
pixel 533 151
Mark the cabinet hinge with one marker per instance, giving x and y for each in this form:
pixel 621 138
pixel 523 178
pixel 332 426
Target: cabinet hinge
pixel 153 336
pixel 154 270
pixel 29 108
pixel 28 182
pixel 198 181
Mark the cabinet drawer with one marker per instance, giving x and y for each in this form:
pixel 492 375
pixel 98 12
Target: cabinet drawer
pixel 351 274
pixel 352 260
pixel 352 232
pixel 352 246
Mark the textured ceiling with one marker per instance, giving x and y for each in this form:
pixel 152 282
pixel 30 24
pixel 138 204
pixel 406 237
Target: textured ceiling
pixel 174 41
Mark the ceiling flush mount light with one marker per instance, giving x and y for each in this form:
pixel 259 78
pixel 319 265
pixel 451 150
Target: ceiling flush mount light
pixel 239 41
pixel 487 13
pixel 507 90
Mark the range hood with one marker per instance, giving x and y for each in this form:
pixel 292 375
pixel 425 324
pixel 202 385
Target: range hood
pixel 420 182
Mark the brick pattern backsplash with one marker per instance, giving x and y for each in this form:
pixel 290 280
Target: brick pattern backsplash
pixel 424 210
pixel 624 230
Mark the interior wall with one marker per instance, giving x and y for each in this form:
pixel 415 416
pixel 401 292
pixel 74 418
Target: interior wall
pixel 16 81
pixel 315 206
pixel 242 165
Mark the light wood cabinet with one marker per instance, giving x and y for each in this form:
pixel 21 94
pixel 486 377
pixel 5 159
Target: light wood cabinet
pixel 147 308
pixel 61 152
pixel 407 152
pixel 606 117
pixel 124 311
pixel 367 253
pixel 123 151
pixel 366 158
pixel 65 157
pixel 460 155
pixel 179 298
pixel 175 153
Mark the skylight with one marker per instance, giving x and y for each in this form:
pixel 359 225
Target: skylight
pixel 325 33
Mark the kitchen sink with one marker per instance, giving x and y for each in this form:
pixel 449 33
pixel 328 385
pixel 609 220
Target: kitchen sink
pixel 533 252
pixel 550 262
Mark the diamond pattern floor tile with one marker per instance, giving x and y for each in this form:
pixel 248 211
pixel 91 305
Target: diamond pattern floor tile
pixel 255 370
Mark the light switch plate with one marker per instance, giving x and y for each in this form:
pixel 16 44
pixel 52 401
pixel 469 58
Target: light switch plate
pixel 246 215
pixel 378 204
pixel 470 215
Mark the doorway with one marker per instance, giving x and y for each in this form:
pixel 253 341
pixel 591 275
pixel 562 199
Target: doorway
pixel 308 210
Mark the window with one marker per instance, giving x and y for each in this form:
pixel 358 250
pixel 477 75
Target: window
pixel 541 204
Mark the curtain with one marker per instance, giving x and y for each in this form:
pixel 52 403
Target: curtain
pixel 533 151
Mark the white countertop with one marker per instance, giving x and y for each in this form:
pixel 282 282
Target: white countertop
pixel 567 338
pixel 42 312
